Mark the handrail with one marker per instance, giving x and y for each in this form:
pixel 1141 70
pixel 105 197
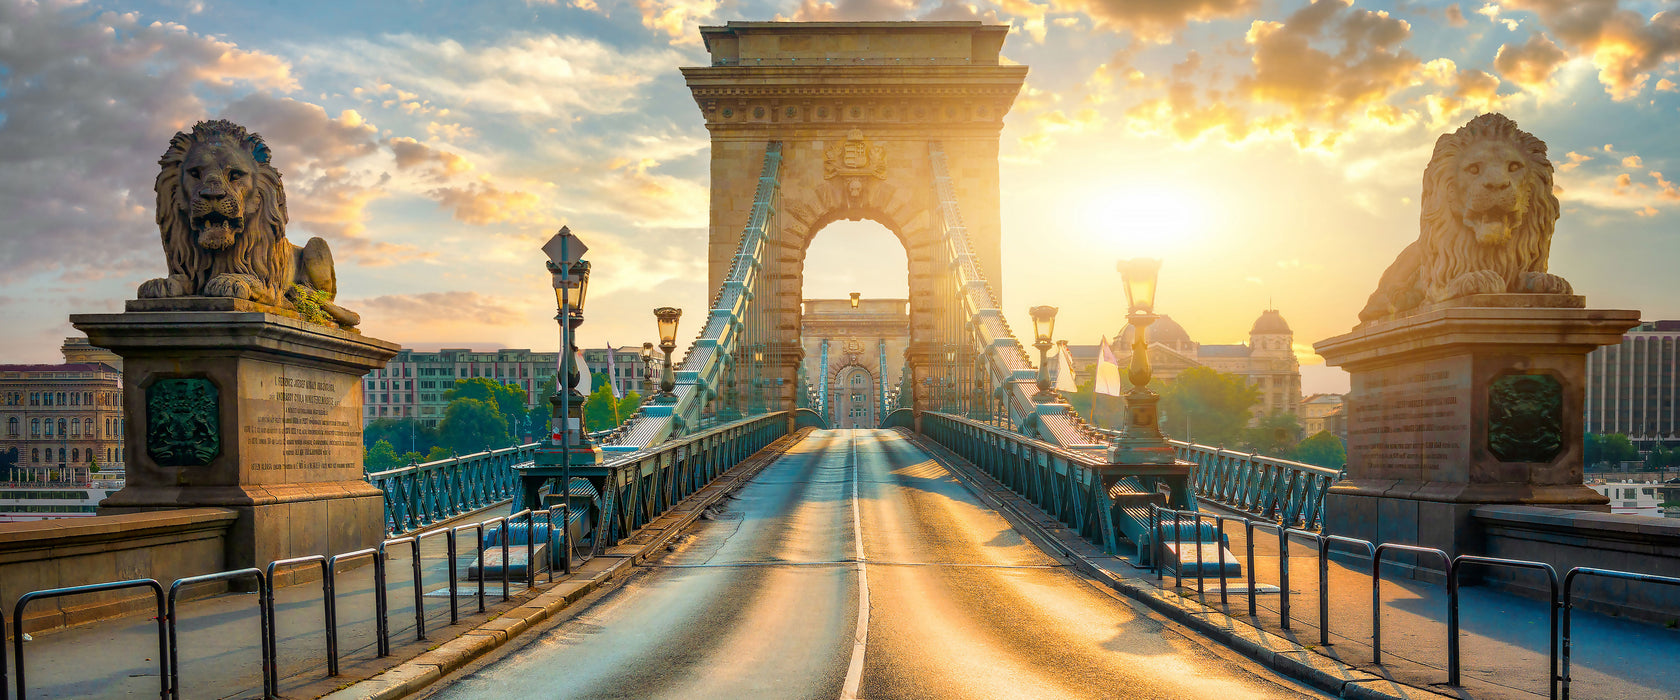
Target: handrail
pixel 426 493
pixel 1276 489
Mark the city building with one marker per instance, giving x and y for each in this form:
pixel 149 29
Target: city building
pixel 863 345
pixel 1267 361
pixel 413 384
pixel 64 421
pixel 1315 409
pixel 1632 388
pixel 78 351
pixel 626 369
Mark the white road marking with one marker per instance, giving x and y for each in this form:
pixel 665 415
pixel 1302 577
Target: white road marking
pixel 860 638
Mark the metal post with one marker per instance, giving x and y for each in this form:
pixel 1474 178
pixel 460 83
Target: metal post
pixel 1283 574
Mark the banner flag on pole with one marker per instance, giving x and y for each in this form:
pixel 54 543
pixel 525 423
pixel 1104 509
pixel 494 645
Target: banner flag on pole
pixel 612 374
pixel 1108 370
pixel 583 374
pixel 1064 370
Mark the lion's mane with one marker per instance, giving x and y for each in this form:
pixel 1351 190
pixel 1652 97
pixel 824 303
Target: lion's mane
pixel 260 250
pixel 1450 248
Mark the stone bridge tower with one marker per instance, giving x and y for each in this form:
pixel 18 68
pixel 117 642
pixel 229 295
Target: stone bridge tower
pixel 855 107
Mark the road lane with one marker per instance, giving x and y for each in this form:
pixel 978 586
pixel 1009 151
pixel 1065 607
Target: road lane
pixel 763 600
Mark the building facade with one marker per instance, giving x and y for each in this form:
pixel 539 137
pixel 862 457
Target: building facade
pixel 65 421
pixel 414 383
pixel 1268 360
pixel 1315 411
pixel 1632 388
pixel 864 348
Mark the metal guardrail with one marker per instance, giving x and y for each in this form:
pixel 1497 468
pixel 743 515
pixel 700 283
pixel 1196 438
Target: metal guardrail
pixel 1560 603
pixel 422 494
pixel 1267 487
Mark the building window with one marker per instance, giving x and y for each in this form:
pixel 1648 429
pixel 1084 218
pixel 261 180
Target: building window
pixel 46 398
pixel 60 399
pixel 61 432
pixel 61 458
pixel 35 455
pixel 34 427
pixel 75 399
pixel 75 454
pixel 12 426
pixel 49 428
pixel 75 427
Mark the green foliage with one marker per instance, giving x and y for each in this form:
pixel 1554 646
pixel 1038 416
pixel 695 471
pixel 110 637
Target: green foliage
pixel 1611 450
pixel 1206 406
pixel 509 399
pixel 1273 436
pixel 541 415
pixel 472 425
pixel 437 453
pixel 308 304
pixel 627 406
pixel 1322 449
pixel 406 433
pixel 600 410
pixel 1662 457
pixel 381 457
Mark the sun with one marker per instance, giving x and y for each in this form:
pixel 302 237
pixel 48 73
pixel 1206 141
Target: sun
pixel 1144 219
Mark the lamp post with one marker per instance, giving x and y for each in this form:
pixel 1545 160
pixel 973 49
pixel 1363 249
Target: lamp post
pixel 647 369
pixel 1142 442
pixel 668 317
pixel 757 405
pixel 567 444
pixel 1044 326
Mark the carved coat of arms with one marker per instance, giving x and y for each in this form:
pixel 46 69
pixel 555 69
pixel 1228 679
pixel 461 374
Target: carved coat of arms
pixel 854 161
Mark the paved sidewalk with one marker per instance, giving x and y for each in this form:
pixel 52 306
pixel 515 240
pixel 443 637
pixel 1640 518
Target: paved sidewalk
pixel 218 636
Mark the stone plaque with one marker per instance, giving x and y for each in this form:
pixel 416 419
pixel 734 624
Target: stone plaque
pixel 1525 418
pixel 299 424
pixel 183 422
pixel 1409 420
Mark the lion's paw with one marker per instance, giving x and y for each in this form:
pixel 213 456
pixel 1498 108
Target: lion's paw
pixel 231 286
pixel 1478 282
pixel 171 286
pixel 1543 283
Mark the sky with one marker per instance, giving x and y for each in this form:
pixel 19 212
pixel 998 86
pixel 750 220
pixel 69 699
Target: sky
pixel 1271 152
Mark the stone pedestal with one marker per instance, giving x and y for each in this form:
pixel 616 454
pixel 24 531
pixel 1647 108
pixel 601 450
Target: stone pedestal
pixel 1474 401
pixel 231 406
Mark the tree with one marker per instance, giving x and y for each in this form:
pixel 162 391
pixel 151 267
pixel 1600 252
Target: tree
pixel 541 414
pixel 405 433
pixel 509 399
pixel 471 425
pixel 1207 406
pixel 627 406
pixel 600 410
pixel 437 453
pixel 381 457
pixel 1322 449
pixel 1612 449
pixel 1274 435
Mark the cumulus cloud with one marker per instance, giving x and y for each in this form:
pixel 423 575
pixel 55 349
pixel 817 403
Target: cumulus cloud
pixel 1154 20
pixel 1532 63
pixel 411 154
pixel 1624 45
pixel 484 202
pixel 90 102
pixel 1455 16
pixel 540 76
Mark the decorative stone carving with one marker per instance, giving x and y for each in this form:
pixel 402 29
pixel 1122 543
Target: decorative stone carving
pixel 1487 222
pixel 222 213
pixel 855 161
pixel 1525 418
pixel 183 425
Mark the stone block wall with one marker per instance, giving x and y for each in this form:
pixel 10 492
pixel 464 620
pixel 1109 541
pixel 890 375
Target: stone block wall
pixel 1571 538
pixel 161 545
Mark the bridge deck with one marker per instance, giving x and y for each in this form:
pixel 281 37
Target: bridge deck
pixel 763 600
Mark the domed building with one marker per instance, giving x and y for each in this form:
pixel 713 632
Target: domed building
pixel 1267 361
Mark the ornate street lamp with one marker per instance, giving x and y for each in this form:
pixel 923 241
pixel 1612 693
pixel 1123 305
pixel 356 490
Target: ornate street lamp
pixel 567 444
pixel 1142 442
pixel 668 317
pixel 1044 327
pixel 647 369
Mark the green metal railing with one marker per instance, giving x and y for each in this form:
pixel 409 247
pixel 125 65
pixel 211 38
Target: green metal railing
pixel 418 495
pixel 1274 489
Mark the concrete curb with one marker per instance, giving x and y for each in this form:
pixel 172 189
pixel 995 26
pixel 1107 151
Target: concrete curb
pixel 1275 652
pixel 420 672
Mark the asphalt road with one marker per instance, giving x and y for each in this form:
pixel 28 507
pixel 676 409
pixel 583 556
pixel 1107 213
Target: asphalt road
pixel 856 566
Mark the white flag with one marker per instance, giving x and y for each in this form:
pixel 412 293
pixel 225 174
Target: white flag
pixel 612 375
pixel 1064 370
pixel 583 373
pixel 1108 371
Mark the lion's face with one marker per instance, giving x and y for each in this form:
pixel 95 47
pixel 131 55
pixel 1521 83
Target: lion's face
pixel 1491 186
pixel 220 188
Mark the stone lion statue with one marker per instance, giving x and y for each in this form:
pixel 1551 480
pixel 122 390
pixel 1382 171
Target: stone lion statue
pixel 1487 221
pixel 222 212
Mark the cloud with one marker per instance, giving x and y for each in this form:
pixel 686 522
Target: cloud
pixel 484 202
pixel 1624 45
pixel 1632 162
pixel 1575 161
pixel 1154 20
pixel 539 76
pixel 427 308
pixel 410 154
pixel 1455 16
pixel 1532 63
pixel 856 10
pixel 90 101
